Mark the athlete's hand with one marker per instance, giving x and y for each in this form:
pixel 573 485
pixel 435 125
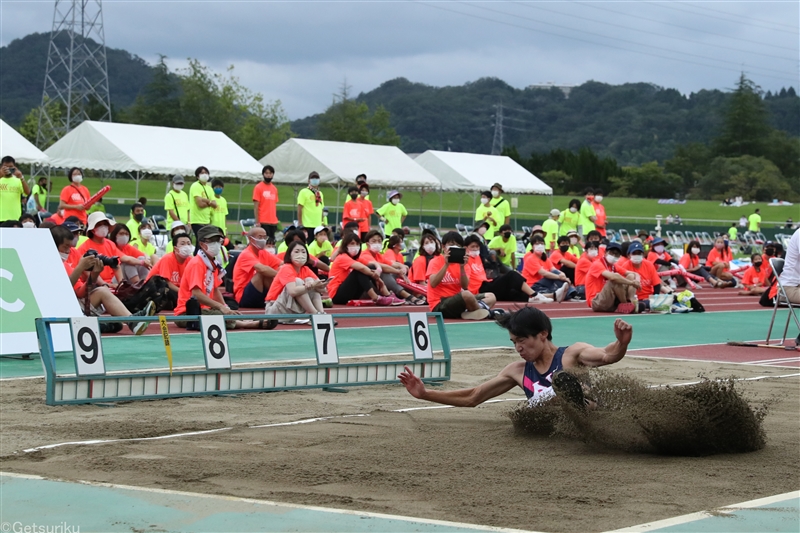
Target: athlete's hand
pixel 623 331
pixel 413 384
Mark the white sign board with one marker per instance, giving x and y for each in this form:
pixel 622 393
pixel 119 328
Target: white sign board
pixel 88 349
pixel 420 336
pixel 325 340
pixel 215 342
pixel 33 284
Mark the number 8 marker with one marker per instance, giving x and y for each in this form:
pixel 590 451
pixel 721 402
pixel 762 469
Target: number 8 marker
pixel 215 342
pixel 420 336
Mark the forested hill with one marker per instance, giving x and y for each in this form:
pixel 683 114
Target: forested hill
pixel 634 122
pixel 22 66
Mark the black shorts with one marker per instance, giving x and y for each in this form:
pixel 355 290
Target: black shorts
pixel 252 298
pixel 451 307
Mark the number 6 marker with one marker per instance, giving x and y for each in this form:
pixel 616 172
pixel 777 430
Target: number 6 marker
pixel 325 340
pixel 420 336
pixel 86 346
pixel 215 342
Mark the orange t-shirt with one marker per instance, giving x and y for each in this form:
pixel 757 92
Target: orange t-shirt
pixel 340 269
pixel 595 280
pixel 286 275
pixel 652 256
pixel 194 277
pixel 130 251
pixel 244 269
pixel 74 195
pixel 556 256
pixel 377 257
pixel 765 265
pixel 367 210
pixel 687 261
pixel 600 213
pixel 476 274
pixel 353 209
pixel 582 267
pixel 69 265
pixel 419 269
pixel 715 256
pixel 450 285
pixel 394 257
pixel 758 279
pixel 648 276
pixel 106 248
pixel 266 194
pixel 169 268
pixel 532 263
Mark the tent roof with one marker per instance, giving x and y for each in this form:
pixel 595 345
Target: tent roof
pixel 152 149
pixel 477 172
pixel 21 149
pixel 385 166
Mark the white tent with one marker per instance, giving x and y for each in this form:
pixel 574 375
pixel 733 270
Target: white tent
pixel 476 172
pixel 152 150
pixel 21 149
pixel 341 162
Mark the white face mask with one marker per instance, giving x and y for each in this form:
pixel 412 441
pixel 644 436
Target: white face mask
pixel 258 243
pixel 353 250
pixel 481 230
pixel 299 256
pixel 185 250
pixel 213 249
pixel 28 224
pixel 314 182
pixel 146 234
pixel 474 253
pixel 695 251
pixel 573 209
pixel 598 199
pixel 592 252
pixel 270 250
pixel 203 177
pixel 429 247
pixel 610 259
pixel 484 200
pixel 101 231
pixel 64 255
pixel 77 179
pixel 178 186
pixel 495 194
pixel 573 241
pixel 375 247
pixel 538 248
pixel 637 259
pixel 395 201
pixel 122 240
pixel 658 249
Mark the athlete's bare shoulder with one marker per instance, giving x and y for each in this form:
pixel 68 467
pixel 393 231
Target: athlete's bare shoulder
pixel 515 371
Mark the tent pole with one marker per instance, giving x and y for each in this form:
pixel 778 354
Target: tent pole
pixel 421 196
pixel 239 210
pixel 460 199
pixel 441 206
pixel 338 202
pixel 47 197
pixel 137 178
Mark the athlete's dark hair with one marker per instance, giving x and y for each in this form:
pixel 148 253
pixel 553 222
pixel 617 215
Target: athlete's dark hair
pixel 526 322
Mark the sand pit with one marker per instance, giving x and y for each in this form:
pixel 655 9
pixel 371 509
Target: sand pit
pixel 466 465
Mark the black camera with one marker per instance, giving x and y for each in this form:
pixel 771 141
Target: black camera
pixel 112 262
pixel 10 171
pixel 457 255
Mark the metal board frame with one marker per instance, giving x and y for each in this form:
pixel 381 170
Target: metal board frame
pixel 126 386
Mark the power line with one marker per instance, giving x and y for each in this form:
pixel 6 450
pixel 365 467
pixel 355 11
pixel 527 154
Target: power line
pixel 471 15
pixel 749 20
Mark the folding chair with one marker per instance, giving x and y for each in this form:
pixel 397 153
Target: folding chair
pixel 690 235
pixel 43 215
pixel 382 227
pixel 707 238
pixel 680 238
pixel 247 224
pixel 462 230
pixel 777 267
pixel 671 237
pixel 159 224
pixel 624 235
pixel 761 238
pixel 717 234
pixel 425 225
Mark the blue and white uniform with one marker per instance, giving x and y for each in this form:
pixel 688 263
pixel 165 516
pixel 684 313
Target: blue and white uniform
pixel 539 387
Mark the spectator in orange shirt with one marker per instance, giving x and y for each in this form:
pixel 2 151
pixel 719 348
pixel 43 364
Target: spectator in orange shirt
pixel 563 260
pixel 600 212
pixel 755 278
pixel 540 273
pixel 265 202
pixel 659 256
pixel 388 269
pixel 135 263
pixel 366 210
pixel 351 279
pixel 73 196
pixel 508 287
pixel 429 248
pixel 690 261
pixel 171 267
pixel 649 280
pixel 353 210
pixel 609 287
pixel 719 259
pixel 582 267
pixel 97 230
pixel 254 271
pixel 295 289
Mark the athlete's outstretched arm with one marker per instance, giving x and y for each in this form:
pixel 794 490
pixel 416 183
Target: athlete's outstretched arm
pixel 588 355
pixel 496 386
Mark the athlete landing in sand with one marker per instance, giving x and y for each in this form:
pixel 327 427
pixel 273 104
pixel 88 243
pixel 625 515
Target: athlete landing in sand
pixel 531 333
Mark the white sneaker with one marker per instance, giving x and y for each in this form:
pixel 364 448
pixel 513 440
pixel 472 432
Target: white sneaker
pixel 672 284
pixel 480 314
pixel 562 292
pixel 540 299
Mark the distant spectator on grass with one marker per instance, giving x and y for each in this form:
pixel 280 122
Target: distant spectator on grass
pixel 310 203
pixel 489 214
pixel 743 222
pixel 392 213
pixel 39 194
pixel 733 233
pixel 754 222
pixel 220 213
pixel 13 188
pixel 367 210
pixel 265 202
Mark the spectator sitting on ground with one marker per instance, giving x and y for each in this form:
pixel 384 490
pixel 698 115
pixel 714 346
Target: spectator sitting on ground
pixel 562 259
pixel 350 227
pixel 430 247
pixel 582 268
pixel 542 276
pixel 295 289
pixel 755 279
pixel 504 245
pixel 649 280
pixel 79 232
pixel 351 278
pixel 292 234
pixel 394 250
pixel 83 272
pixel 575 245
pixel 172 265
pixel 610 288
pixel 389 270
pixel 659 256
pixel 321 247
pixel 719 258
pixel 98 229
pixel 143 241
pixel 175 228
pixel 401 234
pixel 690 261
pixel 448 286
pixel 135 265
pixel 254 271
pixel 508 287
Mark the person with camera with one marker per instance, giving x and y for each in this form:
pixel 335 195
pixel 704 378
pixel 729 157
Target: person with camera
pixel 84 275
pixel 12 189
pixel 106 251
pixel 448 284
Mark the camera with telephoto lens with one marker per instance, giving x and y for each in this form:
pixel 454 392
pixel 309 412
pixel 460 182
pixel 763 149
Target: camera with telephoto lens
pixel 112 262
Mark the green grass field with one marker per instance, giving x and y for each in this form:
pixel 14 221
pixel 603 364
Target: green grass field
pixel 123 191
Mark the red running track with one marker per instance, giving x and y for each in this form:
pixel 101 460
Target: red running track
pixel 777 357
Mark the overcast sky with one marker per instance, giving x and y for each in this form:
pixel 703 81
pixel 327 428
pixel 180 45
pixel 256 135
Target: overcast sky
pixel 300 52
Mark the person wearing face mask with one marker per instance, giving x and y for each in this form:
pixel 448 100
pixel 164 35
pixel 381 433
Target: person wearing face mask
pixel 582 268
pixel 83 271
pixel 659 256
pixel 219 214
pixel 770 251
pixel 265 202
pixel 12 189
pixel 575 245
pixel 366 209
pixel 27 220
pixel 135 265
pixel 550 228
pixel 393 249
pixel 756 277
pixel 504 245
pixel 588 214
pixel 73 196
pixel 172 266
pixel 600 212
pixel 719 259
pixel 98 229
pixel 690 261
pixel 570 218
pixel 609 287
pixel 78 229
pixel 39 194
pixel 353 209
pixel 509 287
pixel 430 247
pixel 401 234
pixel 542 276
pixel 176 203
pixel 649 280
pixel 501 204
pixel 392 213
pixel 310 203
pixel 388 269
pixel 295 290
pixel 489 214
pixel 255 270
pixel 143 241
pixel 563 259
pixel 136 219
pixel 201 200
pixel 321 247
pixel 536 231
pixel 351 278
pixel 199 291
pixel 176 227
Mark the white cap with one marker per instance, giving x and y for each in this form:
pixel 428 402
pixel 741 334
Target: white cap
pixel 176 223
pixel 320 228
pixel 555 212
pixel 95 218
